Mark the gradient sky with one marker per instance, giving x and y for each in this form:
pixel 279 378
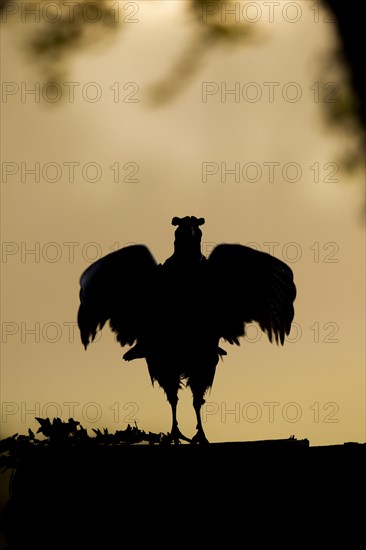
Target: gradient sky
pixel 308 214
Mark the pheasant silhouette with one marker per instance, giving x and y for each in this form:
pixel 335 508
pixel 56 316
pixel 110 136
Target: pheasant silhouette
pixel 174 314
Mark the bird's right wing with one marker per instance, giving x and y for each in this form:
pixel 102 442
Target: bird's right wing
pixel 250 286
pixel 117 287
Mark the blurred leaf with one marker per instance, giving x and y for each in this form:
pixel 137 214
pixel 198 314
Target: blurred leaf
pixel 45 428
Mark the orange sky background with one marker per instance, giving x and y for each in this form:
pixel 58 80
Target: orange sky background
pixel 307 212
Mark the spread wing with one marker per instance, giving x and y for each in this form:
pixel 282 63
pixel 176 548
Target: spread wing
pixel 116 288
pixel 253 286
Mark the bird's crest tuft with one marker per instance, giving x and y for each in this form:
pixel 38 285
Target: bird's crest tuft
pixel 190 219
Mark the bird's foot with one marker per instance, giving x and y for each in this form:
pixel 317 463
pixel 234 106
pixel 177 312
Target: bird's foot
pixel 200 438
pixel 176 436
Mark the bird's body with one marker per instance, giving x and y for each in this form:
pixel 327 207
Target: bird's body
pixel 176 313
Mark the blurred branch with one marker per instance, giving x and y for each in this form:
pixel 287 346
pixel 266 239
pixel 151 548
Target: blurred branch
pixel 348 112
pixel 58 37
pixel 350 25
pixel 210 31
pixel 55 31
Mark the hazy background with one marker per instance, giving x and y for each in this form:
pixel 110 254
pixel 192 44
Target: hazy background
pixel 173 156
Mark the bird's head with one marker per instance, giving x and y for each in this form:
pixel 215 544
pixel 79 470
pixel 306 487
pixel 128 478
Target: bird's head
pixel 188 234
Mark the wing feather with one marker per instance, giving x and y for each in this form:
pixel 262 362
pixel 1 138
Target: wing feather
pixel 257 287
pixel 116 288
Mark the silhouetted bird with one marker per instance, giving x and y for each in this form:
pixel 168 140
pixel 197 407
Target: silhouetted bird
pixel 176 313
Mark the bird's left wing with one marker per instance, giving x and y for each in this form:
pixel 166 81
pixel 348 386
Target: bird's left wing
pixel 117 288
pixel 250 286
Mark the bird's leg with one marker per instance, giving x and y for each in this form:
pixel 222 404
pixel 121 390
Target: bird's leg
pixel 200 437
pixel 175 435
